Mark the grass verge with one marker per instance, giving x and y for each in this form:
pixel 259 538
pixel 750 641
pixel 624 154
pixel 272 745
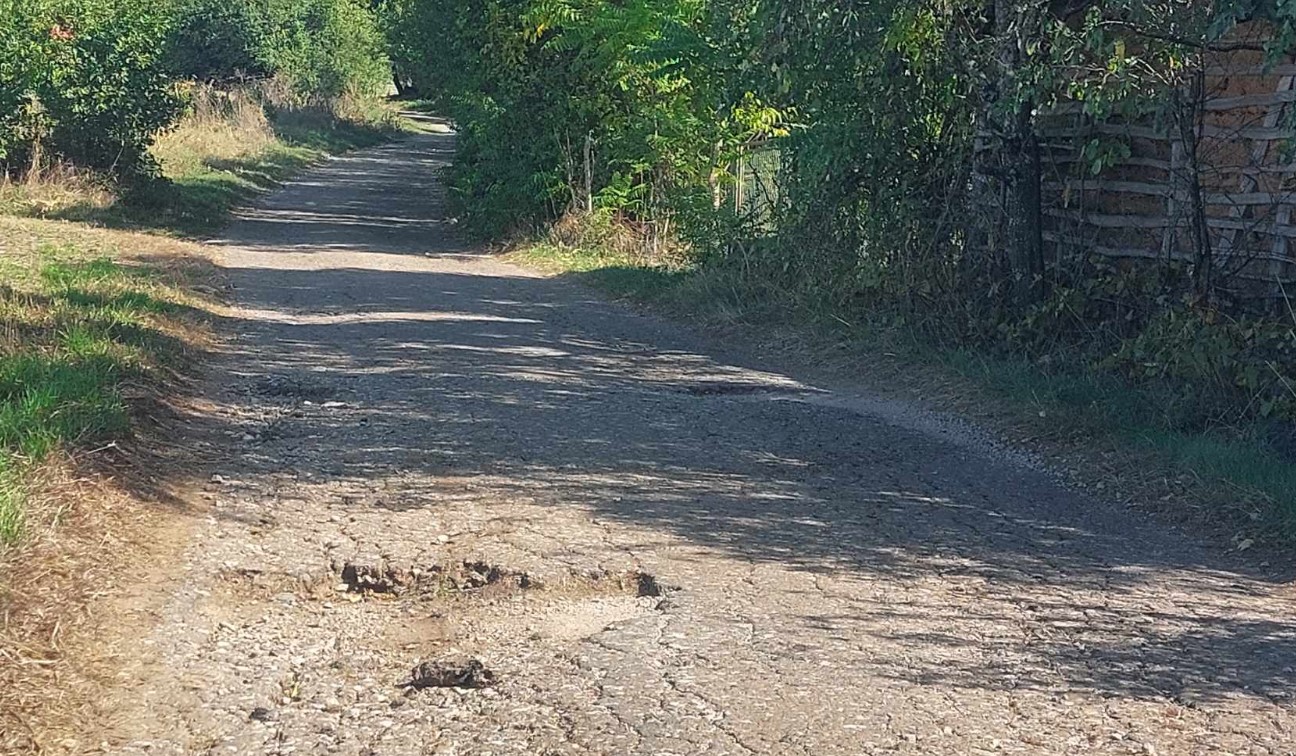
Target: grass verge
pixel 100 329
pixel 88 327
pixel 1110 434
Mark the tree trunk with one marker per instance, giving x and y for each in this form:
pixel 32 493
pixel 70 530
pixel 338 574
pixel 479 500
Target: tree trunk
pixel 589 173
pixel 1187 112
pixel 1007 161
pixel 1024 240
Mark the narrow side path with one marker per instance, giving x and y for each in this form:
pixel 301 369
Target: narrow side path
pixel 652 549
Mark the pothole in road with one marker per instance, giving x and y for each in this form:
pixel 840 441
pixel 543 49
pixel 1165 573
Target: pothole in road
pixel 287 387
pixel 474 579
pixel 502 612
pixel 457 671
pixel 740 390
pixel 374 575
pixel 647 585
pixel 720 388
pixel 472 621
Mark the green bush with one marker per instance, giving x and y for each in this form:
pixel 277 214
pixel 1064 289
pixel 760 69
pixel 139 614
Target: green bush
pixel 1227 368
pixel 329 47
pixel 84 80
pixel 630 107
pixel 322 48
pixel 17 53
pixel 93 81
pixel 219 40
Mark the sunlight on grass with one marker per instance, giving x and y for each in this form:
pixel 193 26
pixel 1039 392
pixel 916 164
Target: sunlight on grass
pixel 200 201
pixel 229 148
pixel 77 327
pixel 617 274
pixel 11 503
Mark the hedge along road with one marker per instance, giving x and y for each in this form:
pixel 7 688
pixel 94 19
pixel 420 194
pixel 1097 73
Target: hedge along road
pixel 650 544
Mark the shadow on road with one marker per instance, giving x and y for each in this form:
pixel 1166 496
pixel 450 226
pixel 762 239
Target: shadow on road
pixel 472 371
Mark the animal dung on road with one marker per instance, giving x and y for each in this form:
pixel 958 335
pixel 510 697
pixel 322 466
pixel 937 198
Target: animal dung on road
pixel 370 572
pixel 450 672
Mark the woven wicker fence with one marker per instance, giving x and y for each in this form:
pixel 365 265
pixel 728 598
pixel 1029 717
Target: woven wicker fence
pixel 1235 156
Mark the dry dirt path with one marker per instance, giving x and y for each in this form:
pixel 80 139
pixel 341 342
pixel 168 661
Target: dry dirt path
pixel 654 547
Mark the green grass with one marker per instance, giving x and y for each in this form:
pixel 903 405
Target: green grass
pixel 1247 474
pixel 368 125
pixel 199 201
pixel 1235 471
pixel 12 499
pixel 77 329
pixel 616 274
pixel 421 105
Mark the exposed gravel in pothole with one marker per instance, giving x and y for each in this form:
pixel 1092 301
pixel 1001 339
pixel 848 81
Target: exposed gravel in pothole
pixel 370 573
pixel 443 469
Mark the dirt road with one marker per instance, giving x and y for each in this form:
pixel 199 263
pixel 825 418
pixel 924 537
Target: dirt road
pixel 652 546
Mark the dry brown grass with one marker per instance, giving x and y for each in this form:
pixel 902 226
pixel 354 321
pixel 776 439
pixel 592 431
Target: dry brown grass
pixel 220 126
pixel 229 146
pixel 640 243
pixel 53 189
pixel 185 267
pixel 93 538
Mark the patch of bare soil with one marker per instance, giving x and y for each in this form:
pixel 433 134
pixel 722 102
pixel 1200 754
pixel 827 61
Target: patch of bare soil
pixel 95 564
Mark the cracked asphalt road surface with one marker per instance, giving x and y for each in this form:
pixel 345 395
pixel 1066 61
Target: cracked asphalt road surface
pixel 653 545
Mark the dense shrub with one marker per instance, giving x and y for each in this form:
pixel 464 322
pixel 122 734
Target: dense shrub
pixel 219 40
pixel 89 81
pixel 323 48
pixel 93 81
pixel 580 102
pixel 19 47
